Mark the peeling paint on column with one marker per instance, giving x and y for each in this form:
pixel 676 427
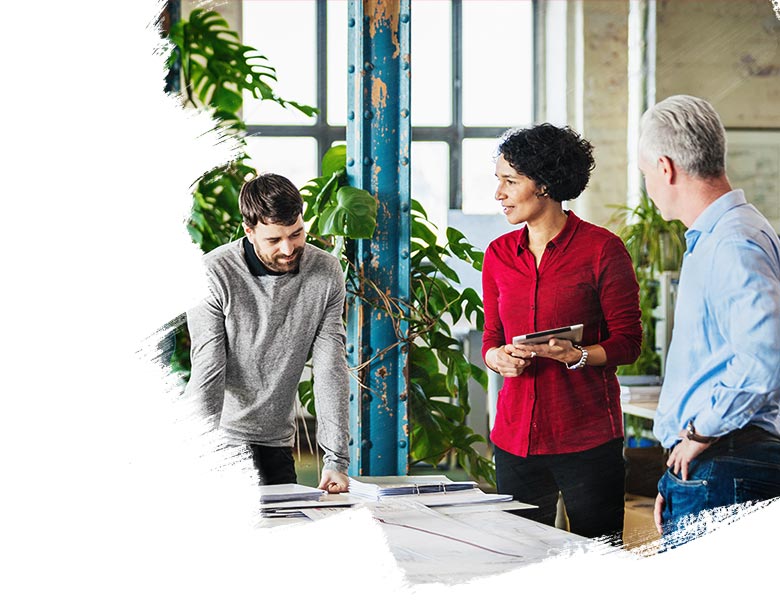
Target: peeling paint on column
pixel 378 138
pixel 378 93
pixel 385 13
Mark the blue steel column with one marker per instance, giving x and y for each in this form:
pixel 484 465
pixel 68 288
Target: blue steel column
pixel 378 139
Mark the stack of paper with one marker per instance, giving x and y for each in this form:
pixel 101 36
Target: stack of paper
pixel 639 393
pixel 283 492
pixel 380 487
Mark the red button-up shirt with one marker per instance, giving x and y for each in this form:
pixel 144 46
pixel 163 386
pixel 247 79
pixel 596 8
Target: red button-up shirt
pixel 585 276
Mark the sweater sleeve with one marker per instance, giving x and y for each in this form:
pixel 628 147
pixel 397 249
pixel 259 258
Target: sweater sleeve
pixel 206 325
pixel 331 381
pixel 619 297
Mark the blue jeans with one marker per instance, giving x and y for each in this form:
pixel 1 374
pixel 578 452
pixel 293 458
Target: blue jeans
pixel 592 483
pixel 743 466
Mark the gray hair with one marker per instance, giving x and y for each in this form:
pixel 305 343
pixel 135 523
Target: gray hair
pixel 687 130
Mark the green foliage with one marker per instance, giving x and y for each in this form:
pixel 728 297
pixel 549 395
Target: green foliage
pixel 353 214
pixel 655 245
pixel 306 395
pixel 438 368
pixel 638 427
pixel 215 219
pixel 217 69
pixel 334 211
pixel 438 427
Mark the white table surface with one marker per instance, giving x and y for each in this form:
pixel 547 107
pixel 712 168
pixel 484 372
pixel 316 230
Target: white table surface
pixel 455 544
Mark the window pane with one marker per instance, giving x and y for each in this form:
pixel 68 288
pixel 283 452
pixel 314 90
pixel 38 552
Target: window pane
pixel 430 181
pixel 337 62
pixel 479 177
pixel 285 32
pixel 498 55
pixel 293 157
pixel 431 63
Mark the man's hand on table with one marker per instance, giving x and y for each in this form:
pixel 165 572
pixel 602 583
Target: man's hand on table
pixel 334 482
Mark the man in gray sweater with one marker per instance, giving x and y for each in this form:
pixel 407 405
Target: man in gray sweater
pixel 273 300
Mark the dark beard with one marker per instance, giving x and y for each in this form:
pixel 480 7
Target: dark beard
pixel 285 267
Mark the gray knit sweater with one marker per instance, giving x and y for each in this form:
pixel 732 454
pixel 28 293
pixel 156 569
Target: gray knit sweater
pixel 251 338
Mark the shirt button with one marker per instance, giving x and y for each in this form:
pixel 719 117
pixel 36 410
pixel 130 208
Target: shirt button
pixel 534 425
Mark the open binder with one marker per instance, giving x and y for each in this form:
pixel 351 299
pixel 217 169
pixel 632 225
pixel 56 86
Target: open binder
pixel 400 485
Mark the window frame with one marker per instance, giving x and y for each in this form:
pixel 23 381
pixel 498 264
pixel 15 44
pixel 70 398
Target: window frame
pixel 453 134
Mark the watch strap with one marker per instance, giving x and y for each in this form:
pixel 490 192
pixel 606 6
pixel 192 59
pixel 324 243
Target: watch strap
pixel 693 436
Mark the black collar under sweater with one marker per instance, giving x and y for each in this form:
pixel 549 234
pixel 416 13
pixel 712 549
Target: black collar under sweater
pixel 256 267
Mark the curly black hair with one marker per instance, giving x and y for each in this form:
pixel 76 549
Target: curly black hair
pixel 556 158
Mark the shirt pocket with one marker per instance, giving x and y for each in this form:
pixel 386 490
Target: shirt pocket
pixel 577 302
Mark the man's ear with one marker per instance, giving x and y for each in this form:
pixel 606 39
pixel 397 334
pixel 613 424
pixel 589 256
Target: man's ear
pixel 249 231
pixel 668 169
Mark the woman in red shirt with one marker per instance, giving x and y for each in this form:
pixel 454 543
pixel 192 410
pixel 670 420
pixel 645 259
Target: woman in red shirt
pixel 558 423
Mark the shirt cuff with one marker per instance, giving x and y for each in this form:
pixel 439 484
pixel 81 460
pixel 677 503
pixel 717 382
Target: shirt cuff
pixel 712 424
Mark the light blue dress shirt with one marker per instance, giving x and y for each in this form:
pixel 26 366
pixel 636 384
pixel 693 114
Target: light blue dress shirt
pixel 723 365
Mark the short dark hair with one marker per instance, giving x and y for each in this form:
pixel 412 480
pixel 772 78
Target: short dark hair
pixel 270 198
pixel 556 158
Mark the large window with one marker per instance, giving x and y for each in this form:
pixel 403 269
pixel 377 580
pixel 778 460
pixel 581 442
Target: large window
pixel 472 78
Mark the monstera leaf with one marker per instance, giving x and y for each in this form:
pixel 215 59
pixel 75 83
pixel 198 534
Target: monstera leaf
pixel 353 214
pixel 217 68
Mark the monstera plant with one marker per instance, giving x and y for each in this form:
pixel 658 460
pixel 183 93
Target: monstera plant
pixel 216 71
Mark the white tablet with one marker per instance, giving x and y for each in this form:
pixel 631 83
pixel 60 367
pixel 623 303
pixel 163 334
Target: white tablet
pixel 570 332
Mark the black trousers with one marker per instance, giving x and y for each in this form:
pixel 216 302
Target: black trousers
pixel 592 483
pixel 274 464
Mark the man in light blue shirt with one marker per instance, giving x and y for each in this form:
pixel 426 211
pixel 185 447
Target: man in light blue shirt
pixel 719 409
